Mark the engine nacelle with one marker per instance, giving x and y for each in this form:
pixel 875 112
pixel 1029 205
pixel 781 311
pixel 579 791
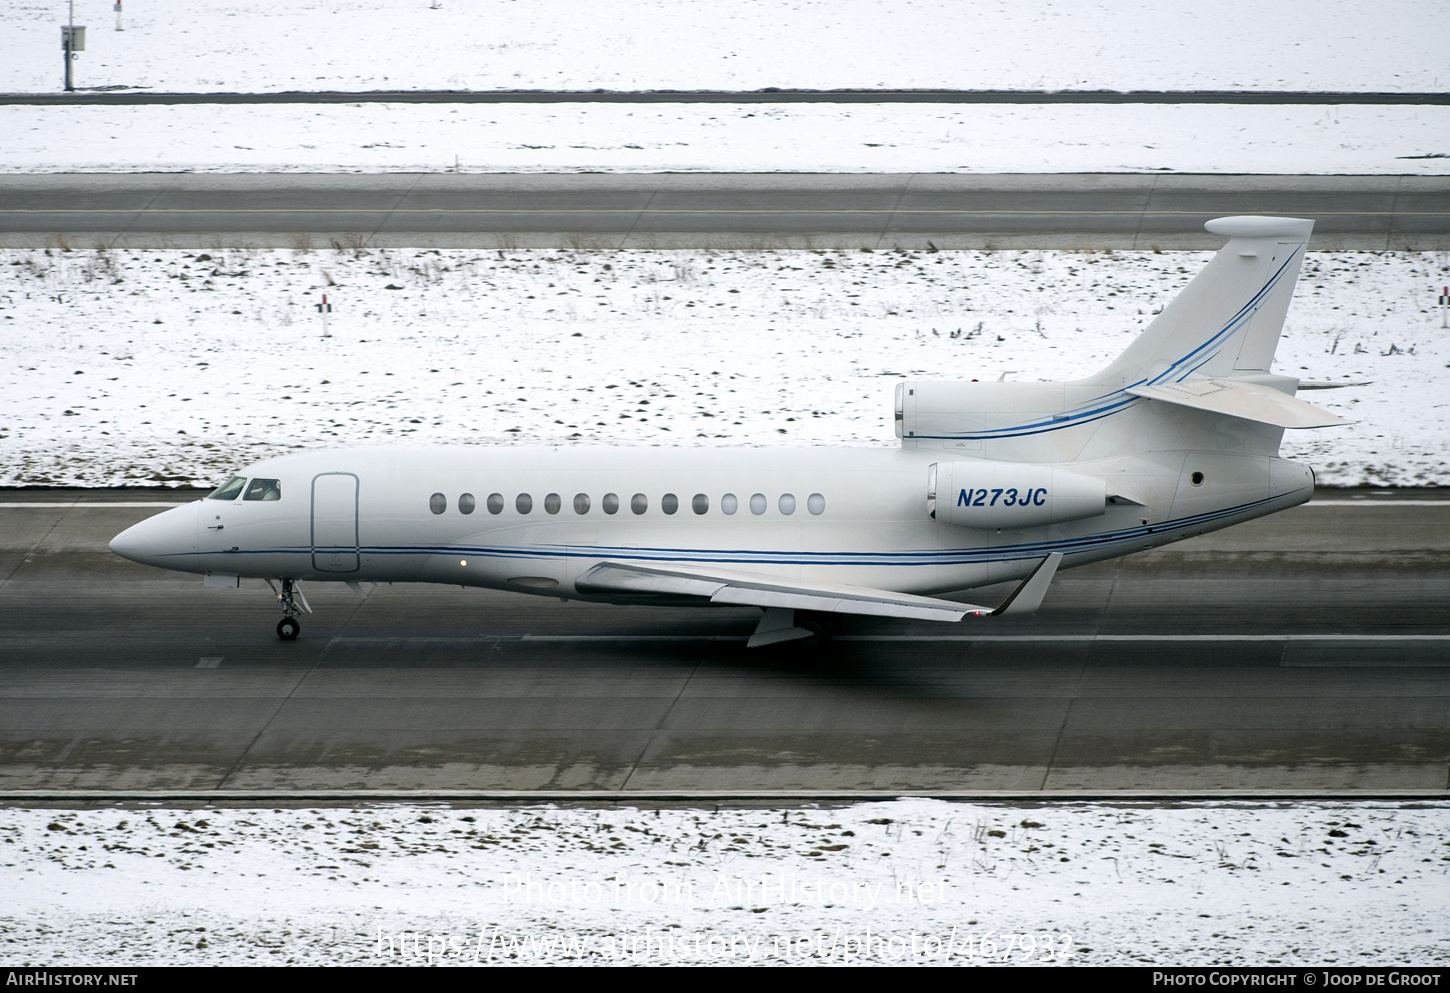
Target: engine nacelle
pixel 933 409
pixel 1010 495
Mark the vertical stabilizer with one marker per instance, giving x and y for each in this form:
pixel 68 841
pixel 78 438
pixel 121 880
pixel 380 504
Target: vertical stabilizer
pixel 1226 322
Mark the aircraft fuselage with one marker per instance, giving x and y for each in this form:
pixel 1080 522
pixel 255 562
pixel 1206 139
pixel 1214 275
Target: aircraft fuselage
pixel 535 520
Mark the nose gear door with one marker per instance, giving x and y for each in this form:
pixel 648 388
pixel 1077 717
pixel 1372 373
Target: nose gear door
pixel 334 522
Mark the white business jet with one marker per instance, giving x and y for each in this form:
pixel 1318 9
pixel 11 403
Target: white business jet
pixel 993 482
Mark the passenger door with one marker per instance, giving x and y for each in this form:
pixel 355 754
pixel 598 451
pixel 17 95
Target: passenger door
pixel 334 522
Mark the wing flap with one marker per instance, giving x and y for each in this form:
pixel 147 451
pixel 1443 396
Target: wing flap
pixel 762 591
pixel 612 577
pixel 945 610
pixel 1251 401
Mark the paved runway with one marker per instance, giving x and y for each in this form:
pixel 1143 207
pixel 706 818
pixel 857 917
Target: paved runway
pixel 1309 651
pixel 707 211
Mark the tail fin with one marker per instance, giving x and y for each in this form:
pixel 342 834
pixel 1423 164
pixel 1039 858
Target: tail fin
pixel 1210 348
pixel 1225 323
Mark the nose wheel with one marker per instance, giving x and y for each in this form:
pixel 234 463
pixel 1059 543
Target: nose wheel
pixel 288 629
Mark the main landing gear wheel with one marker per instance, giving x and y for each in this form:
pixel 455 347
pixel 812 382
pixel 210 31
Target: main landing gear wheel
pixel 820 629
pixel 288 628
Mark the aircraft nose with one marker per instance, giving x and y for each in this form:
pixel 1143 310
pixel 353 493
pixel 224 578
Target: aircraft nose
pixel 124 544
pixel 161 539
pixel 132 543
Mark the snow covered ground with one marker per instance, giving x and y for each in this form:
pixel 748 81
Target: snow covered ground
pixel 725 138
pixel 129 367
pixel 253 45
pixel 906 881
pixel 259 45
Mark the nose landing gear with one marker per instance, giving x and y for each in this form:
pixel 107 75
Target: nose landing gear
pixel 288 628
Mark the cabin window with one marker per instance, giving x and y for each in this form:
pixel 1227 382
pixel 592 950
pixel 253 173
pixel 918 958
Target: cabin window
pixel 495 503
pixel 701 503
pixel 639 503
pixel 581 503
pixel 816 504
pixel 437 503
pixel 229 489
pixel 728 504
pixel 264 489
pixel 524 503
pixel 610 503
pixel 466 503
pixel 552 503
pixel 669 503
pixel 757 504
pixel 787 504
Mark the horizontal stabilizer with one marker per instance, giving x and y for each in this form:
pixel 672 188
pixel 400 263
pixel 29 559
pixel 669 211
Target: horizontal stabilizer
pixel 1319 384
pixel 1251 401
pixel 762 591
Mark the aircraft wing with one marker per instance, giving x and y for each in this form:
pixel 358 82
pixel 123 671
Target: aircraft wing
pixel 1251 401
pixel 753 590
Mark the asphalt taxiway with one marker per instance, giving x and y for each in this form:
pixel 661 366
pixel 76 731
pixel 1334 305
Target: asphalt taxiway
pixel 1308 653
pixel 692 211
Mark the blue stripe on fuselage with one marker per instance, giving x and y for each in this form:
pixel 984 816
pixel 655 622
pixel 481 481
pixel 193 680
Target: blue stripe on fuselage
pixel 913 557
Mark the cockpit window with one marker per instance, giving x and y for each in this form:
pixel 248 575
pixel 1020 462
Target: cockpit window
pixel 264 489
pixel 229 489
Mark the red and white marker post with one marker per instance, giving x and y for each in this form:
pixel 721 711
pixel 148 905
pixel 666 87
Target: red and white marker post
pixel 324 308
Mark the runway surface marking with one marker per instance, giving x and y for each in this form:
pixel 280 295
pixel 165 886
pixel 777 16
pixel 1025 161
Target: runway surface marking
pixel 1376 503
pixel 1022 638
pixel 35 504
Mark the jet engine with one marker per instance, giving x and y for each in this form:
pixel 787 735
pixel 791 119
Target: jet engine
pixel 1010 495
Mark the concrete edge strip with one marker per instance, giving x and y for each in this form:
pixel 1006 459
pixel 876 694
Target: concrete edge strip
pixel 704 797
pixel 759 96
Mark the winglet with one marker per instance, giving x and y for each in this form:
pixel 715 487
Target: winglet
pixel 1026 598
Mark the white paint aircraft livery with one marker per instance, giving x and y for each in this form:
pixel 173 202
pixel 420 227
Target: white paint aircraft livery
pixel 992 482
